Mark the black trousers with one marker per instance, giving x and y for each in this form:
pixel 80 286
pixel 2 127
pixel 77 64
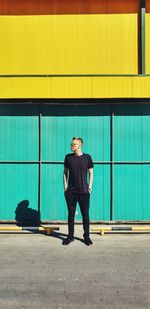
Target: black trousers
pixel 84 202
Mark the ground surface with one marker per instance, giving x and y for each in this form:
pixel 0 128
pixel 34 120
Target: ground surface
pixel 36 271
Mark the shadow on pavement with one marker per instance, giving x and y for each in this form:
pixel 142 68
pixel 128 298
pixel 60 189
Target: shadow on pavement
pixel 63 236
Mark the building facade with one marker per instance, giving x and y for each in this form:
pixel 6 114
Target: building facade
pixel 74 68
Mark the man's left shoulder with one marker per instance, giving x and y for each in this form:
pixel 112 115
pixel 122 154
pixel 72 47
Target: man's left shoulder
pixel 89 160
pixel 87 155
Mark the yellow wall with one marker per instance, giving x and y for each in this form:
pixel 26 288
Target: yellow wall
pixel 148 43
pixel 72 44
pixel 59 44
pixel 75 87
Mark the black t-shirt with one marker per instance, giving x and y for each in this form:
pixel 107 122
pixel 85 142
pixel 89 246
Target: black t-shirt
pixel 78 168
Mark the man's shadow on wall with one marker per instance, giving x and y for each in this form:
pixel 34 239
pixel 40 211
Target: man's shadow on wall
pixel 26 215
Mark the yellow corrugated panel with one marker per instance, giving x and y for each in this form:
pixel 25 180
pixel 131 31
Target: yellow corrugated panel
pixel 75 87
pixel 141 87
pixel 148 43
pixel 46 87
pixel 61 44
pixel 25 87
pixel 110 87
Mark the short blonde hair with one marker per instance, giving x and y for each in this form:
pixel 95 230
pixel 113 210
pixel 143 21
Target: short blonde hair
pixel 79 139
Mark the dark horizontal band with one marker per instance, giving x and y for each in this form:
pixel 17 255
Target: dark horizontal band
pixel 61 162
pixel 70 75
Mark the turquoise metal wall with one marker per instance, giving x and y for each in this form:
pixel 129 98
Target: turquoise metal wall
pixel 57 132
pixel 18 181
pixel 33 144
pixel 132 179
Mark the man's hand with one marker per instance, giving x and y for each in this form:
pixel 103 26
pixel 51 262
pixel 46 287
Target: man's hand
pixel 90 179
pixel 65 176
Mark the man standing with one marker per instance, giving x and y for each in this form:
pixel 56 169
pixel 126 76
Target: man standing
pixel 78 164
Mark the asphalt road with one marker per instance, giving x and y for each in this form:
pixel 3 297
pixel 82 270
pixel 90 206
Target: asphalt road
pixel 36 271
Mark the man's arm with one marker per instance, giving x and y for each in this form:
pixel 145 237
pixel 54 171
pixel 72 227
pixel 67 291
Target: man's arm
pixel 90 179
pixel 65 178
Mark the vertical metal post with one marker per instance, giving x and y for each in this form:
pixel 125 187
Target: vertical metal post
pixel 111 167
pixel 39 170
pixel 142 33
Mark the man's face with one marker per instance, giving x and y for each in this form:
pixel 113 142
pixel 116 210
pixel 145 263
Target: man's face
pixel 75 145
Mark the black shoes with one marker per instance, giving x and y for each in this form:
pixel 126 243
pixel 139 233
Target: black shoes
pixel 67 241
pixel 88 241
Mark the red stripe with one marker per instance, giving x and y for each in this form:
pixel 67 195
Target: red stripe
pixel 148 6
pixel 40 7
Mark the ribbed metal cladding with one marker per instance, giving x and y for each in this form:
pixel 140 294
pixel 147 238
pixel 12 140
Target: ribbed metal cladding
pixel 33 147
pixel 131 181
pixel 57 133
pixel 19 181
pixel 74 50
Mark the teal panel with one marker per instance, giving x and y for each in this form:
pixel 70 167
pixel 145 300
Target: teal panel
pixel 57 133
pixel 18 183
pixel 131 138
pixel 53 138
pixel 19 141
pixel 146 137
pixel 146 192
pixel 100 196
pixel 127 138
pixel 53 205
pixel 131 143
pixel 53 200
pixel 131 192
pixel 18 138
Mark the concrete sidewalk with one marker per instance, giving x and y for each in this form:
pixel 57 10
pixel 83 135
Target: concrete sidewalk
pixel 38 272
